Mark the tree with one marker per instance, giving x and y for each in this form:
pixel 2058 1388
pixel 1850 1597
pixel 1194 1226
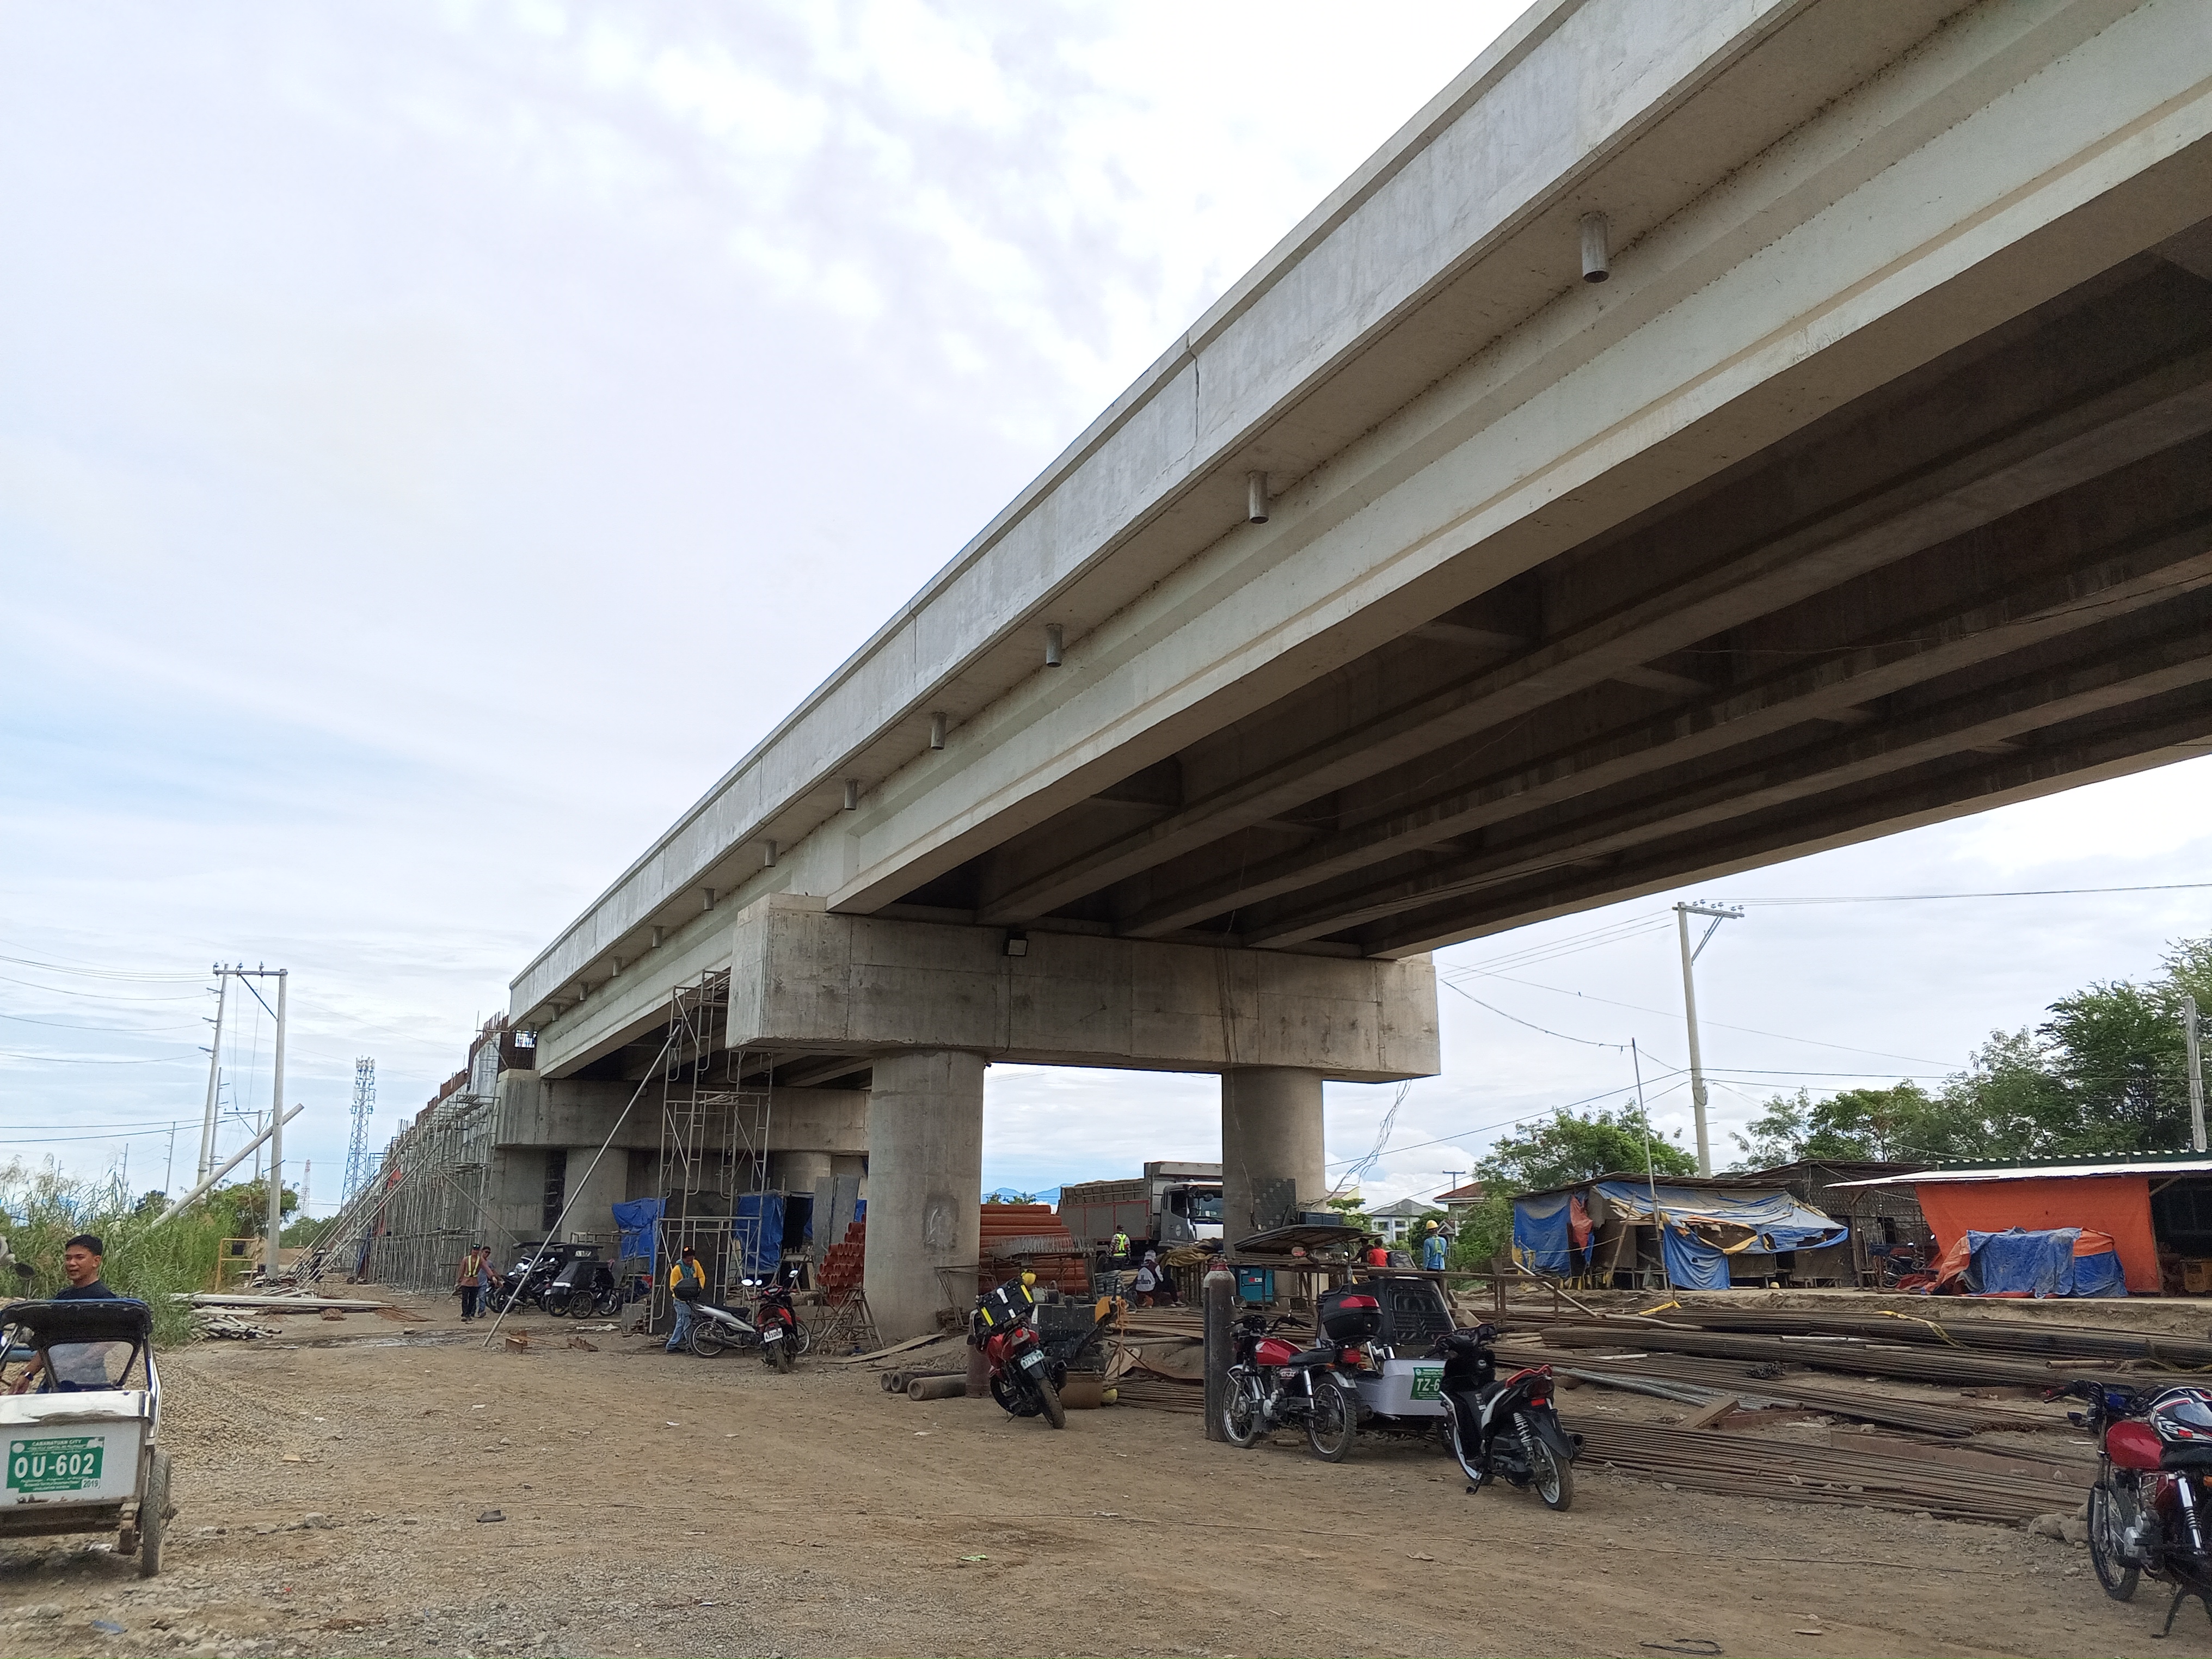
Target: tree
pixel 1485 1232
pixel 1881 1124
pixel 1568 1148
pixel 2117 1054
pixel 2106 1074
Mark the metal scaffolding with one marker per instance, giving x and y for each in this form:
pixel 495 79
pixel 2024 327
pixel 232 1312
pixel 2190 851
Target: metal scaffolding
pixel 714 1109
pixel 424 1204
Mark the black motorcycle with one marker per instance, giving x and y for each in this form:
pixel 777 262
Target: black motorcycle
pixel 2150 1512
pixel 1504 1428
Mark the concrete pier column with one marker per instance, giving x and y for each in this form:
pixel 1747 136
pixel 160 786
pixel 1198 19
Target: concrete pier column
pixel 1271 1129
pixel 924 1187
pixel 592 1202
pixel 797 1172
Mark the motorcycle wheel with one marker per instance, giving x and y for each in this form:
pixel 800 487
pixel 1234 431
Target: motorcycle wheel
pixel 1048 1397
pixel 1331 1423
pixel 782 1356
pixel 1553 1479
pixel 1013 1401
pixel 555 1301
pixel 1468 1466
pixel 706 1340
pixel 801 1338
pixel 1241 1416
pixel 2119 1581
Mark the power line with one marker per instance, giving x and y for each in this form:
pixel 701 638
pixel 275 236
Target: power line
pixel 2022 892
pixel 1665 1014
pixel 101 973
pixel 1591 1042
pixel 120 1031
pixel 96 996
pixel 71 1060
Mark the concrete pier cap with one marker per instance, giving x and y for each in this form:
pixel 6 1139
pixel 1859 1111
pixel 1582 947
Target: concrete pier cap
pixel 804 981
pixel 931 1005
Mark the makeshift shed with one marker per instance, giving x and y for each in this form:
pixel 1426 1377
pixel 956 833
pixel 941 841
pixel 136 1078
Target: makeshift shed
pixel 2157 1208
pixel 1889 1237
pixel 1693 1234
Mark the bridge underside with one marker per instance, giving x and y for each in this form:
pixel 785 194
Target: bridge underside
pixel 1985 580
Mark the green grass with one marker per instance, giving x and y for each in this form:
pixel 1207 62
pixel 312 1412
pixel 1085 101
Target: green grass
pixel 45 1208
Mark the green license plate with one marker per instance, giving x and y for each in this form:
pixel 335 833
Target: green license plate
pixel 1426 1381
pixel 54 1465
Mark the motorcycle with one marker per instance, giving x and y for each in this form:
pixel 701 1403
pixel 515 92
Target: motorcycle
pixel 781 1334
pixel 2150 1510
pixel 1023 1379
pixel 714 1327
pixel 1275 1383
pixel 1507 1428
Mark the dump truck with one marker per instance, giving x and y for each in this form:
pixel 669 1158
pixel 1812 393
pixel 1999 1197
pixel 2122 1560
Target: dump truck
pixel 1170 1204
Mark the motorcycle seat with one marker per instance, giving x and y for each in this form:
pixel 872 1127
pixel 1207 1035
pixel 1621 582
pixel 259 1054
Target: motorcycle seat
pixel 1308 1359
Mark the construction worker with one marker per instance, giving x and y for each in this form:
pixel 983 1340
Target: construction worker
pixel 1433 1246
pixel 687 1284
pixel 1148 1278
pixel 475 1280
pixel 1118 1253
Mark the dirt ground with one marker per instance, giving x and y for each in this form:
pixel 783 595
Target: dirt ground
pixel 665 1504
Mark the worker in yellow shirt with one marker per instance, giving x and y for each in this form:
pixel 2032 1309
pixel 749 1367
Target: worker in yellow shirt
pixel 687 1284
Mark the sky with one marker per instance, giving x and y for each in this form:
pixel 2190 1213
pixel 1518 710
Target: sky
pixel 436 440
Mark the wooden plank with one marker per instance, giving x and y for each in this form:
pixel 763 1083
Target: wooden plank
pixel 1711 1413
pixel 886 1353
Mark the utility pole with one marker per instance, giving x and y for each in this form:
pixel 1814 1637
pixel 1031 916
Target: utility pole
pixel 275 1241
pixel 2196 1074
pixel 275 1135
pixel 215 1065
pixel 1682 915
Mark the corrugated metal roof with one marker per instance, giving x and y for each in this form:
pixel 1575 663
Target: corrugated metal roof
pixel 2052 1169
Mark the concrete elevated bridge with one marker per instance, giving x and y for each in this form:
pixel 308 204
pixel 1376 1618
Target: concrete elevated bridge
pixel 1710 431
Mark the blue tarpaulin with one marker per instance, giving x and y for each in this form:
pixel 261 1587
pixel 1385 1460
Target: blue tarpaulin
pixel 1762 1221
pixel 1693 1263
pixel 1543 1232
pixel 758 1229
pixel 2050 1262
pixel 1704 1228
pixel 636 1220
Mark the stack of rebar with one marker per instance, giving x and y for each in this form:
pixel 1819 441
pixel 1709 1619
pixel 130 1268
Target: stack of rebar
pixel 1937 1328
pixel 1792 1471
pixel 1706 1379
pixel 1955 1367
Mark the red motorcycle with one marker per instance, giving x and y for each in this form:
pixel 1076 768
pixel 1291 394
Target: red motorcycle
pixel 1024 1378
pixel 778 1324
pixel 1275 1384
pixel 2150 1511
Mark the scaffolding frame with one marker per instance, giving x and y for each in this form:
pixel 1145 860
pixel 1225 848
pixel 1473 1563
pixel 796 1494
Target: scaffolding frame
pixel 713 1145
pixel 411 1220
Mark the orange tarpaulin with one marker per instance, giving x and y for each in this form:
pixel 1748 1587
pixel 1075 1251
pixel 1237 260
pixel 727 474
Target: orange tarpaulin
pixel 2119 1205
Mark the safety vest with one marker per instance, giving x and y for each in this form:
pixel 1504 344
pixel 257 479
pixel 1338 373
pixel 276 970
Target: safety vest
pixel 1121 1245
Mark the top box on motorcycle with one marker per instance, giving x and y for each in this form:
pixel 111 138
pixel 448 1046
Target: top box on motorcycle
pixel 1352 1313
pixel 1007 1305
pixel 1409 1311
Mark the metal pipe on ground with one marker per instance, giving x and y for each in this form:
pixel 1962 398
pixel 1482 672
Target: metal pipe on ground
pixel 938 1387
